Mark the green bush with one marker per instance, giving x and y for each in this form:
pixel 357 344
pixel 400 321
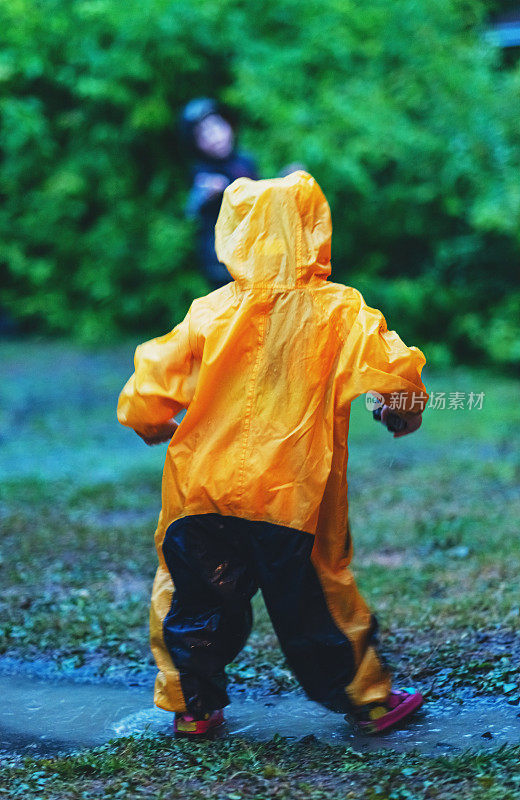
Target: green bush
pixel 92 230
pixel 401 110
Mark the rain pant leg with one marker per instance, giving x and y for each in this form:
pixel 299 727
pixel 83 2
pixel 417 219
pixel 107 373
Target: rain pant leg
pixel 210 616
pixel 331 666
pixel 216 564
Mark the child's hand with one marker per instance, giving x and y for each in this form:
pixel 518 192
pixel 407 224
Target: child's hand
pixel 164 434
pixel 412 423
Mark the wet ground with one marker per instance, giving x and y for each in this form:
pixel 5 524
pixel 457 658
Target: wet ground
pixel 39 717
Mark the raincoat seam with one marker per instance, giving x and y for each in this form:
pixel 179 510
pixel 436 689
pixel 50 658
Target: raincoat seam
pixel 249 518
pixel 350 333
pixel 249 406
pixel 340 343
pixel 299 265
pixel 190 332
pixel 273 288
pixel 323 310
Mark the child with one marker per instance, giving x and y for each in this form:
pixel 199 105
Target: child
pixel 254 486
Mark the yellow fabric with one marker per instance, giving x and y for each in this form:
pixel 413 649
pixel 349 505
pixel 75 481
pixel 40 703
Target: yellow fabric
pixel 267 368
pixel 168 691
pixel 377 713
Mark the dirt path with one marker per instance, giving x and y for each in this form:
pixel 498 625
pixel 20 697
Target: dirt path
pixel 41 717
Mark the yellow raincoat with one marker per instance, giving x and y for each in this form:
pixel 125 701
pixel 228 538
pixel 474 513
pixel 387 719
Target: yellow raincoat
pixel 267 368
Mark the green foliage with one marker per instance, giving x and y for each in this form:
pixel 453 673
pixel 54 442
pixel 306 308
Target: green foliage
pixel 401 110
pixel 92 229
pixel 402 114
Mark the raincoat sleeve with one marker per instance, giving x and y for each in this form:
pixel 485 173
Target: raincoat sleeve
pixel 163 383
pixel 379 361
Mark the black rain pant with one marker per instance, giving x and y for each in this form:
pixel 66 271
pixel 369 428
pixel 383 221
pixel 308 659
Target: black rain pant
pixel 217 564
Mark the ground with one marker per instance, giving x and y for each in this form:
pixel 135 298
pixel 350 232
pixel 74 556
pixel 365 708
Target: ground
pixel 434 520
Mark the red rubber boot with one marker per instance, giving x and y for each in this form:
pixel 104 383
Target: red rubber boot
pixel 378 717
pixel 186 725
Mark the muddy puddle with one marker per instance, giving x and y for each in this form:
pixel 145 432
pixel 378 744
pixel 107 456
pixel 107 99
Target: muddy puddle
pixel 39 717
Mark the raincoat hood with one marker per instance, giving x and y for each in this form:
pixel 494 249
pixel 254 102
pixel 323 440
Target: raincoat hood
pixel 275 232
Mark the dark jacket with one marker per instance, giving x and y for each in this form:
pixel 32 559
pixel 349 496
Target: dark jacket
pixel 205 207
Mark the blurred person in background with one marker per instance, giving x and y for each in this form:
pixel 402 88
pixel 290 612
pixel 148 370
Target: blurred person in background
pixel 210 138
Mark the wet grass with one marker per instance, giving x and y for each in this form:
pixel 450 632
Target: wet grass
pixel 237 769
pixel 437 553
